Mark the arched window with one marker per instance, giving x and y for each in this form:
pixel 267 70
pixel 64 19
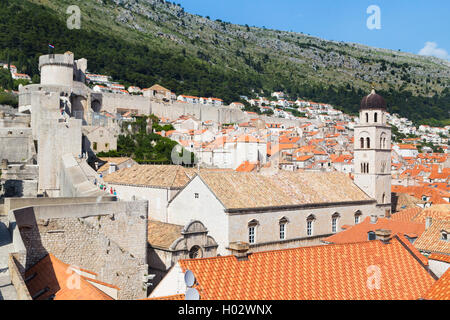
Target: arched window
pixel 252 231
pixel 368 143
pixel 195 252
pixel 334 222
pixel 367 168
pixel 367 117
pixel 383 198
pixel 283 223
pixel 375 117
pixel 310 225
pixel 362 143
pixel 358 217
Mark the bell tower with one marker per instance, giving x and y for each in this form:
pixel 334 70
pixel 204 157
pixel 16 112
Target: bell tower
pixel 372 152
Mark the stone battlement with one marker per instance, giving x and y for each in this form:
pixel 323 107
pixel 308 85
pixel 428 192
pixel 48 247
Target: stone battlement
pixel 66 59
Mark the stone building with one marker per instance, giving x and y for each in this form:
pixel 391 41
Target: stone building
pixel 372 152
pixel 156 183
pixel 285 210
pixel 168 243
pixel 106 237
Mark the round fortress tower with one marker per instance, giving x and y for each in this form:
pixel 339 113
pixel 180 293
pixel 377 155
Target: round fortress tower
pixel 57 69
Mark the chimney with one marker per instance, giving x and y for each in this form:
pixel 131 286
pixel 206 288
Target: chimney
pixel 373 219
pixel 112 168
pixel 428 222
pixel 239 249
pixel 383 235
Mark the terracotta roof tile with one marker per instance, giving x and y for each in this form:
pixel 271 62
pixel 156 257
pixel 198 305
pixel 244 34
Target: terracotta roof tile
pixel 430 241
pixel 51 274
pixel 252 190
pixel 358 233
pixel 161 234
pixel 330 272
pixel 441 289
pixel 163 176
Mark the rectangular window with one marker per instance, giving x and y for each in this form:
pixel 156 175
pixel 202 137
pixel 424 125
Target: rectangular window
pixel 309 230
pixel 282 231
pixel 251 234
pixel 356 219
pixel 334 225
pixel 196 195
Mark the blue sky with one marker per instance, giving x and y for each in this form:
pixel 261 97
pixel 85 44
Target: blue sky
pixel 409 25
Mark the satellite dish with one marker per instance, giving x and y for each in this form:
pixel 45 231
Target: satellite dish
pixel 192 294
pixel 189 278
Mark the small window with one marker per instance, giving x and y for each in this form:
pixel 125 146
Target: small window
pixel 309 228
pixel 375 117
pixel 334 222
pixel 334 225
pixel 362 143
pixel 252 231
pixel 196 195
pixel 367 117
pixel 371 235
pixel 357 217
pixel 195 252
pixel 444 236
pixel 251 234
pixel 282 231
pixel 368 143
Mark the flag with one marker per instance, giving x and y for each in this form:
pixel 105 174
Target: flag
pixel 51 46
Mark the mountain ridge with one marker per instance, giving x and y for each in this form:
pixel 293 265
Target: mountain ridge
pixel 251 59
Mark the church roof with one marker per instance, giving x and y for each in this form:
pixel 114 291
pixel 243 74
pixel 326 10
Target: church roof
pixel 373 101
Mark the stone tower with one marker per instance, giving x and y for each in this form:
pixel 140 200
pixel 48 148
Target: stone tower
pixel 372 152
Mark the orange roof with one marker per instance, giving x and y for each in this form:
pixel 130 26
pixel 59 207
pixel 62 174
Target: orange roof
pixel 407 146
pixel 246 167
pixel 441 289
pixel 358 233
pixel 406 215
pixel 440 257
pixel 329 272
pixel 172 297
pixel 302 158
pixel 53 274
pixel 247 138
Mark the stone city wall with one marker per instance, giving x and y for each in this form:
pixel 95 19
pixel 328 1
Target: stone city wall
pixel 109 239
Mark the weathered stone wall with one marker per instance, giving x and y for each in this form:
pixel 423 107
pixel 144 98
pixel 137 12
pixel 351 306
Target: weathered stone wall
pixel 111 102
pixel 16 144
pixel 109 239
pixel 17 279
pixel 56 139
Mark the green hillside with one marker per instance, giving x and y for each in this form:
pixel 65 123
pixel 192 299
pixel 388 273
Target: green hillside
pixel 145 42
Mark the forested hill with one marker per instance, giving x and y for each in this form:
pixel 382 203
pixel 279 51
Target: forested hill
pixel 143 42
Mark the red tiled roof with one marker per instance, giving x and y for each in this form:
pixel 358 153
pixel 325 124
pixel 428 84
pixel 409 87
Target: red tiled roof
pixel 329 272
pixel 358 233
pixel 406 215
pixel 439 257
pixel 53 274
pixel 246 167
pixel 441 289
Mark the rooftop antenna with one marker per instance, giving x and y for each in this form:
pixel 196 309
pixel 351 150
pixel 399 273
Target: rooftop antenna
pixel 189 280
